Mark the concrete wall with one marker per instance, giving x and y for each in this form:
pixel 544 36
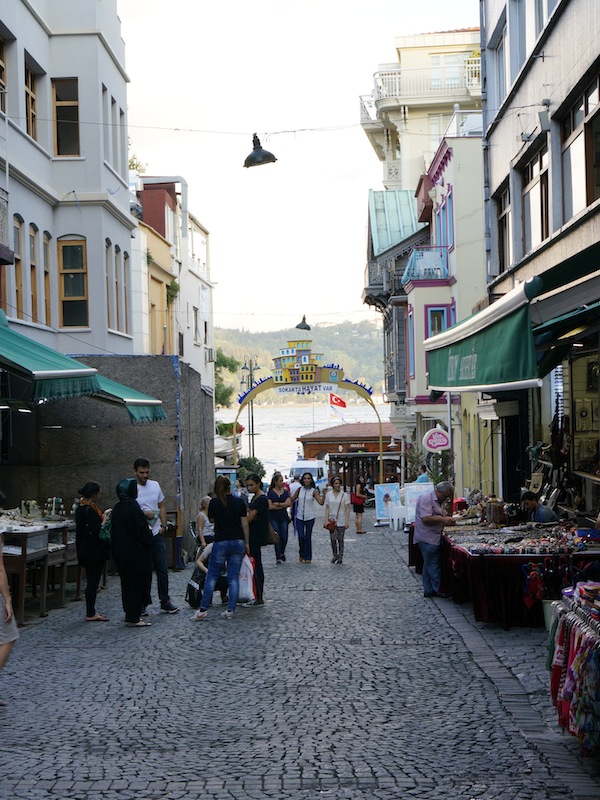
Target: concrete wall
pixel 86 439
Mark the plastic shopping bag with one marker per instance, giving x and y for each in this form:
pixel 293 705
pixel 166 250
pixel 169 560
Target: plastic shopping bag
pixel 246 580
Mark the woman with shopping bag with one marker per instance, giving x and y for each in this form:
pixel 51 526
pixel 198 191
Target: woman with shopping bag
pixel 337 518
pixel 230 544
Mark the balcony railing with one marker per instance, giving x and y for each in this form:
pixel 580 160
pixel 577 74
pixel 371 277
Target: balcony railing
pixel 447 80
pixel 427 264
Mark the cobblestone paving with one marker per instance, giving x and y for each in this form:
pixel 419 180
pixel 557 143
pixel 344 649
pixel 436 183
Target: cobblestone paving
pixel 346 685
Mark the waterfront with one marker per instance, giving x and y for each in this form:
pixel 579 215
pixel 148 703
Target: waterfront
pixel 276 428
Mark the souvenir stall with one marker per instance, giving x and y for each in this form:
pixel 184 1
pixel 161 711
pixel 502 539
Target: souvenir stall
pixel 507 572
pixel 38 547
pixel 574 664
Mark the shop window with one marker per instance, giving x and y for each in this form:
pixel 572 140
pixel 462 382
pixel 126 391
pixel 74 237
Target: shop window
pixel 72 268
pixel 534 178
pixel 581 152
pixel 30 102
pixel 65 95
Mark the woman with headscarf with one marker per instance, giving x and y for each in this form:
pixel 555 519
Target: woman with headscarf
pixel 131 541
pixel 92 552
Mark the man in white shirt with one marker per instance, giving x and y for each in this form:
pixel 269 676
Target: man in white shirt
pixel 151 500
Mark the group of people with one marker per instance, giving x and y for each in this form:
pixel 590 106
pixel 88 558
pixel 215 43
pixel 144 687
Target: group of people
pixel 233 523
pixel 136 522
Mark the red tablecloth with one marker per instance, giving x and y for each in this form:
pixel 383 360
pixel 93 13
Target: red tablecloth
pixel 494 583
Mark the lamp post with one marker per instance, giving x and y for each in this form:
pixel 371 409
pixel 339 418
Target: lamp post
pixel 250 366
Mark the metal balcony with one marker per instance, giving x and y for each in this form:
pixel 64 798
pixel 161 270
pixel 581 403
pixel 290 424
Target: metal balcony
pixel 449 81
pixel 427 264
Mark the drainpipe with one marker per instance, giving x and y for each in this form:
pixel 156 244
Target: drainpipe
pixel 484 142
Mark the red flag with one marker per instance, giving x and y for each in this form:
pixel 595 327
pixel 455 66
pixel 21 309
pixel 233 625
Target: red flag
pixel 335 401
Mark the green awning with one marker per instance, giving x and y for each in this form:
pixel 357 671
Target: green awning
pixel 490 351
pixel 54 375
pixel 554 338
pixel 140 407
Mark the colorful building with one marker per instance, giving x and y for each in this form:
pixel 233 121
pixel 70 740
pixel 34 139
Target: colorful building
pixel 297 363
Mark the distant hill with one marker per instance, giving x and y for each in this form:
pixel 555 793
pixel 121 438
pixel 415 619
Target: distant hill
pixel 357 347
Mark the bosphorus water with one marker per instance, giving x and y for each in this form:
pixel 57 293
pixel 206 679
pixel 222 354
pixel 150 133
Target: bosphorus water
pixel 276 428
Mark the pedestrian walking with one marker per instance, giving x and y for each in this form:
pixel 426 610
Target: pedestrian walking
pixel 431 516
pixel 337 518
pixel 306 498
pixel 92 552
pixel 358 501
pixel 8 627
pixel 131 544
pixel 279 502
pixel 230 544
pixel 151 500
pixel 258 522
pixel 202 562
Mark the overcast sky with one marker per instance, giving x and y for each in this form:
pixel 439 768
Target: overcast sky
pixel 288 238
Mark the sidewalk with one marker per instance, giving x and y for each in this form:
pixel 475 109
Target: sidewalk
pixel 346 684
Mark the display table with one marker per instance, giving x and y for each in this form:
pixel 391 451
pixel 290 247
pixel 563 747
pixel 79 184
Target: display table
pixel 31 548
pixel 495 583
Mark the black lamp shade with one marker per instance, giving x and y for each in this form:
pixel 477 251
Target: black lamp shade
pixel 258 156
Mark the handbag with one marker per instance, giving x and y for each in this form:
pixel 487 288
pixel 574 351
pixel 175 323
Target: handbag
pixel 356 500
pixel 331 524
pixel 272 535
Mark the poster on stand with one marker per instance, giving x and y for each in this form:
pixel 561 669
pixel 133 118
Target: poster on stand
pixel 412 492
pixel 385 495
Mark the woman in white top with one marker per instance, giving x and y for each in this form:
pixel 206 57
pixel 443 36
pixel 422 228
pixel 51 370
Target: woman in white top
pixel 205 529
pixel 337 508
pixel 306 499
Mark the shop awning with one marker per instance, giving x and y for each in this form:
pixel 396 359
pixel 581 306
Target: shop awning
pixel 490 351
pixel 54 375
pixel 554 338
pixel 140 407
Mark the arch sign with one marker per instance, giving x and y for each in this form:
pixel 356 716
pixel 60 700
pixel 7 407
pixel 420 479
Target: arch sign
pixel 297 370
pixel 436 439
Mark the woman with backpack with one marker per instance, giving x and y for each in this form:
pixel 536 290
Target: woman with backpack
pixel 92 552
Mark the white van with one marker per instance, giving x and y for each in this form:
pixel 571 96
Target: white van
pixel 318 469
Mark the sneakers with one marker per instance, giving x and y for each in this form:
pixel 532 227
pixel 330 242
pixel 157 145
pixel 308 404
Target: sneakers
pixel 169 608
pixel 227 614
pixel 140 624
pixel 279 561
pixel 200 615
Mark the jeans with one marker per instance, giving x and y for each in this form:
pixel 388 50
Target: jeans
pixel 231 551
pixel 336 538
pixel 159 562
pixel 305 527
pixel 432 567
pixel 281 526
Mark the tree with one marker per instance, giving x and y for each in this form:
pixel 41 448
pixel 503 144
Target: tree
pixel 223 393
pixel 249 465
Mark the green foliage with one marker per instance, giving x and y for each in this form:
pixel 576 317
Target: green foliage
pixel 226 428
pixel 172 291
pixel 223 392
pixel 414 457
pixel 441 467
pixel 249 465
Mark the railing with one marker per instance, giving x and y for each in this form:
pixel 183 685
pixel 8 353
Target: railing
pixel 426 263
pixel 465 123
pixel 445 80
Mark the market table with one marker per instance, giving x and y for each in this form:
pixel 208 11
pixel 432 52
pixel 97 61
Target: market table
pixel 495 582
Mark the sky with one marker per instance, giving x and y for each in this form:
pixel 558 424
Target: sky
pixel 286 239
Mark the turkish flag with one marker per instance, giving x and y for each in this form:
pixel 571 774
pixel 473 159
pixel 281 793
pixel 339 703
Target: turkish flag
pixel 336 401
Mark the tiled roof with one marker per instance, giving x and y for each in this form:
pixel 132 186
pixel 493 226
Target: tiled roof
pixel 352 431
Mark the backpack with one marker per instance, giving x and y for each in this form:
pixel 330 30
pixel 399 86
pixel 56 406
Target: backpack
pixel 195 586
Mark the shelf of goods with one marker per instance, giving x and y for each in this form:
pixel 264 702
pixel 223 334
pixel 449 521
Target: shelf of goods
pixel 507 572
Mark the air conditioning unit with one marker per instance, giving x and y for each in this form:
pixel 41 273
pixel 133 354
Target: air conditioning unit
pixel 210 354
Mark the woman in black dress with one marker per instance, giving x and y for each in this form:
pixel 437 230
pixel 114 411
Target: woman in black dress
pixel 258 520
pixel 131 541
pixel 92 552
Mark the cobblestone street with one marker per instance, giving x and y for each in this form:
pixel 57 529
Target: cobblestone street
pixel 346 684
